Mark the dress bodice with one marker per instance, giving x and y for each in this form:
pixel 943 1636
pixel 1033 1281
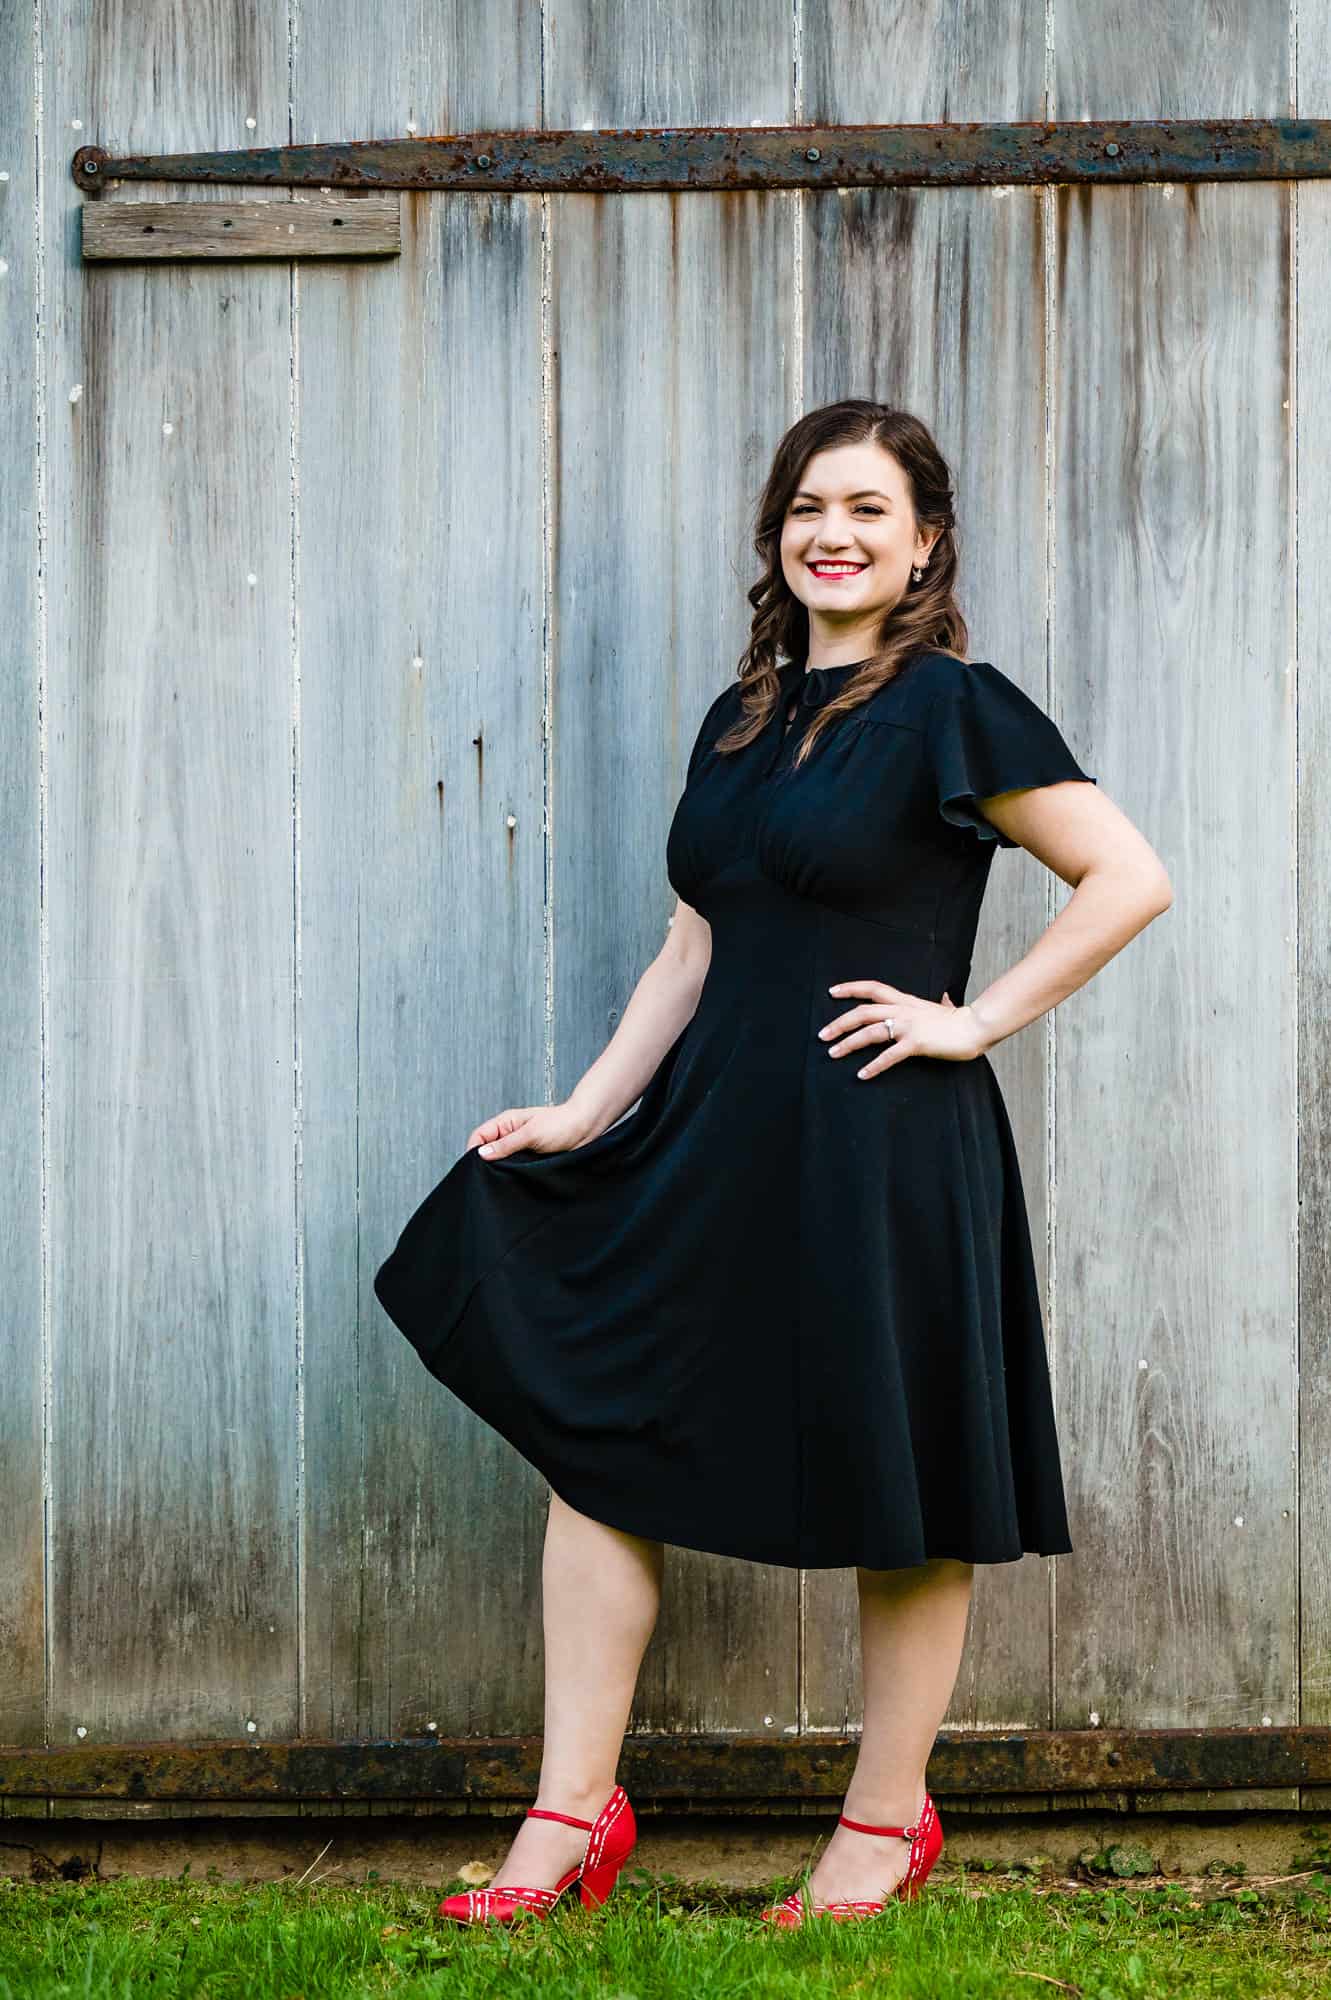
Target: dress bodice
pixel 882 820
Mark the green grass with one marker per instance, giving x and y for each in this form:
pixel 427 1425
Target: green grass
pixel 972 1934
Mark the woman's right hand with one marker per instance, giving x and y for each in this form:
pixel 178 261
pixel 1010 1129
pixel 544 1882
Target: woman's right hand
pixel 536 1128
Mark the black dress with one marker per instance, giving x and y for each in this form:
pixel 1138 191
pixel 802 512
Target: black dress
pixel 775 1311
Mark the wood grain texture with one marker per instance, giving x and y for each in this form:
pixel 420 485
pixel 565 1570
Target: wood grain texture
pixel 1175 1161
pixel 306 225
pixel 934 301
pixel 672 382
pixel 23 1355
pixel 1174 633
pixel 1312 405
pixel 422 780
pixel 170 1138
pixel 1175 1089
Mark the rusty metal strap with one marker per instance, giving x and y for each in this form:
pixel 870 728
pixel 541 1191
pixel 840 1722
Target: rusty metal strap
pixel 666 1769
pixel 724 159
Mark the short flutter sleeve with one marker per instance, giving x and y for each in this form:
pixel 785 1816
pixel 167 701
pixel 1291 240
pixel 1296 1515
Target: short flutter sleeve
pixel 984 735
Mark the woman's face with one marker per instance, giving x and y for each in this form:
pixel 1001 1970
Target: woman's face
pixel 847 545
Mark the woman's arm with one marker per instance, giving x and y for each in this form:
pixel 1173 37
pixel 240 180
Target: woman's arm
pixel 1119 883
pixel 662 1004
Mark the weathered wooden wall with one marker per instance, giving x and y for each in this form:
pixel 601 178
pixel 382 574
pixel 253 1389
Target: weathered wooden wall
pixel 359 621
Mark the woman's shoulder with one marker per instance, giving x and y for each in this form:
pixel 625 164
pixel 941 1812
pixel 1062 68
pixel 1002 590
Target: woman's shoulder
pixel 907 699
pixel 721 710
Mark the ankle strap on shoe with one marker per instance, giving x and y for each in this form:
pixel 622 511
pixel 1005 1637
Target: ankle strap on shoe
pixel 539 1812
pixel 858 1825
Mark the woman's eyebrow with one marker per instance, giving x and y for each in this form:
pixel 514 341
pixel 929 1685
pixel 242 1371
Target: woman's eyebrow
pixel 869 493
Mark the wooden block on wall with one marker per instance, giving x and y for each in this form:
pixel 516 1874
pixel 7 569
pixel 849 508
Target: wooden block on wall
pixel 312 226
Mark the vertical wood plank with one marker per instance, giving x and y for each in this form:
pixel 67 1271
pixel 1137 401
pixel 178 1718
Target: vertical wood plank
pixel 673 383
pixel 1312 209
pixel 22 1358
pixel 934 301
pixel 1175 1087
pixel 421 783
pixel 173 1415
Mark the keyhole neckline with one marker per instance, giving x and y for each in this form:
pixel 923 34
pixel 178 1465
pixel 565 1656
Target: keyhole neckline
pixel 805 690
pixel 836 667
pixel 810 685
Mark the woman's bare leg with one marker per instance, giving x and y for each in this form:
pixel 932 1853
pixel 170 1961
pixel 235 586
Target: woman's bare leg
pixel 601 1592
pixel 912 1629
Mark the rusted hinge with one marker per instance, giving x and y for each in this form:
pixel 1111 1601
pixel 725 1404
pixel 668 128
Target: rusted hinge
pixel 725 159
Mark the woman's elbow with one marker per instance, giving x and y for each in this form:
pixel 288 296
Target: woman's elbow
pixel 1162 896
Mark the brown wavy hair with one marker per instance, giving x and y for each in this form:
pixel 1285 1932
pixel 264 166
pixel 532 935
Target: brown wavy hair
pixel 926 619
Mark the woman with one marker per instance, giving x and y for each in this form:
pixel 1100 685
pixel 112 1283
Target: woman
pixel 786 1308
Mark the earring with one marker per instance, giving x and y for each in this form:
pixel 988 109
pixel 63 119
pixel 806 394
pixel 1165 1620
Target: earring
pixel 918 573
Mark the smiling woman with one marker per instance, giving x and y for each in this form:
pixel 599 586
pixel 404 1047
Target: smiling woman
pixel 854 531
pixel 786 1309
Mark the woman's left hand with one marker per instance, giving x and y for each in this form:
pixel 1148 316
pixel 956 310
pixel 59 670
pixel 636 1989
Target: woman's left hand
pixel 919 1027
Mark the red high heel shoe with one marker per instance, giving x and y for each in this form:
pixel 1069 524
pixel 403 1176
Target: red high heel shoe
pixel 926 1844
pixel 610 1841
